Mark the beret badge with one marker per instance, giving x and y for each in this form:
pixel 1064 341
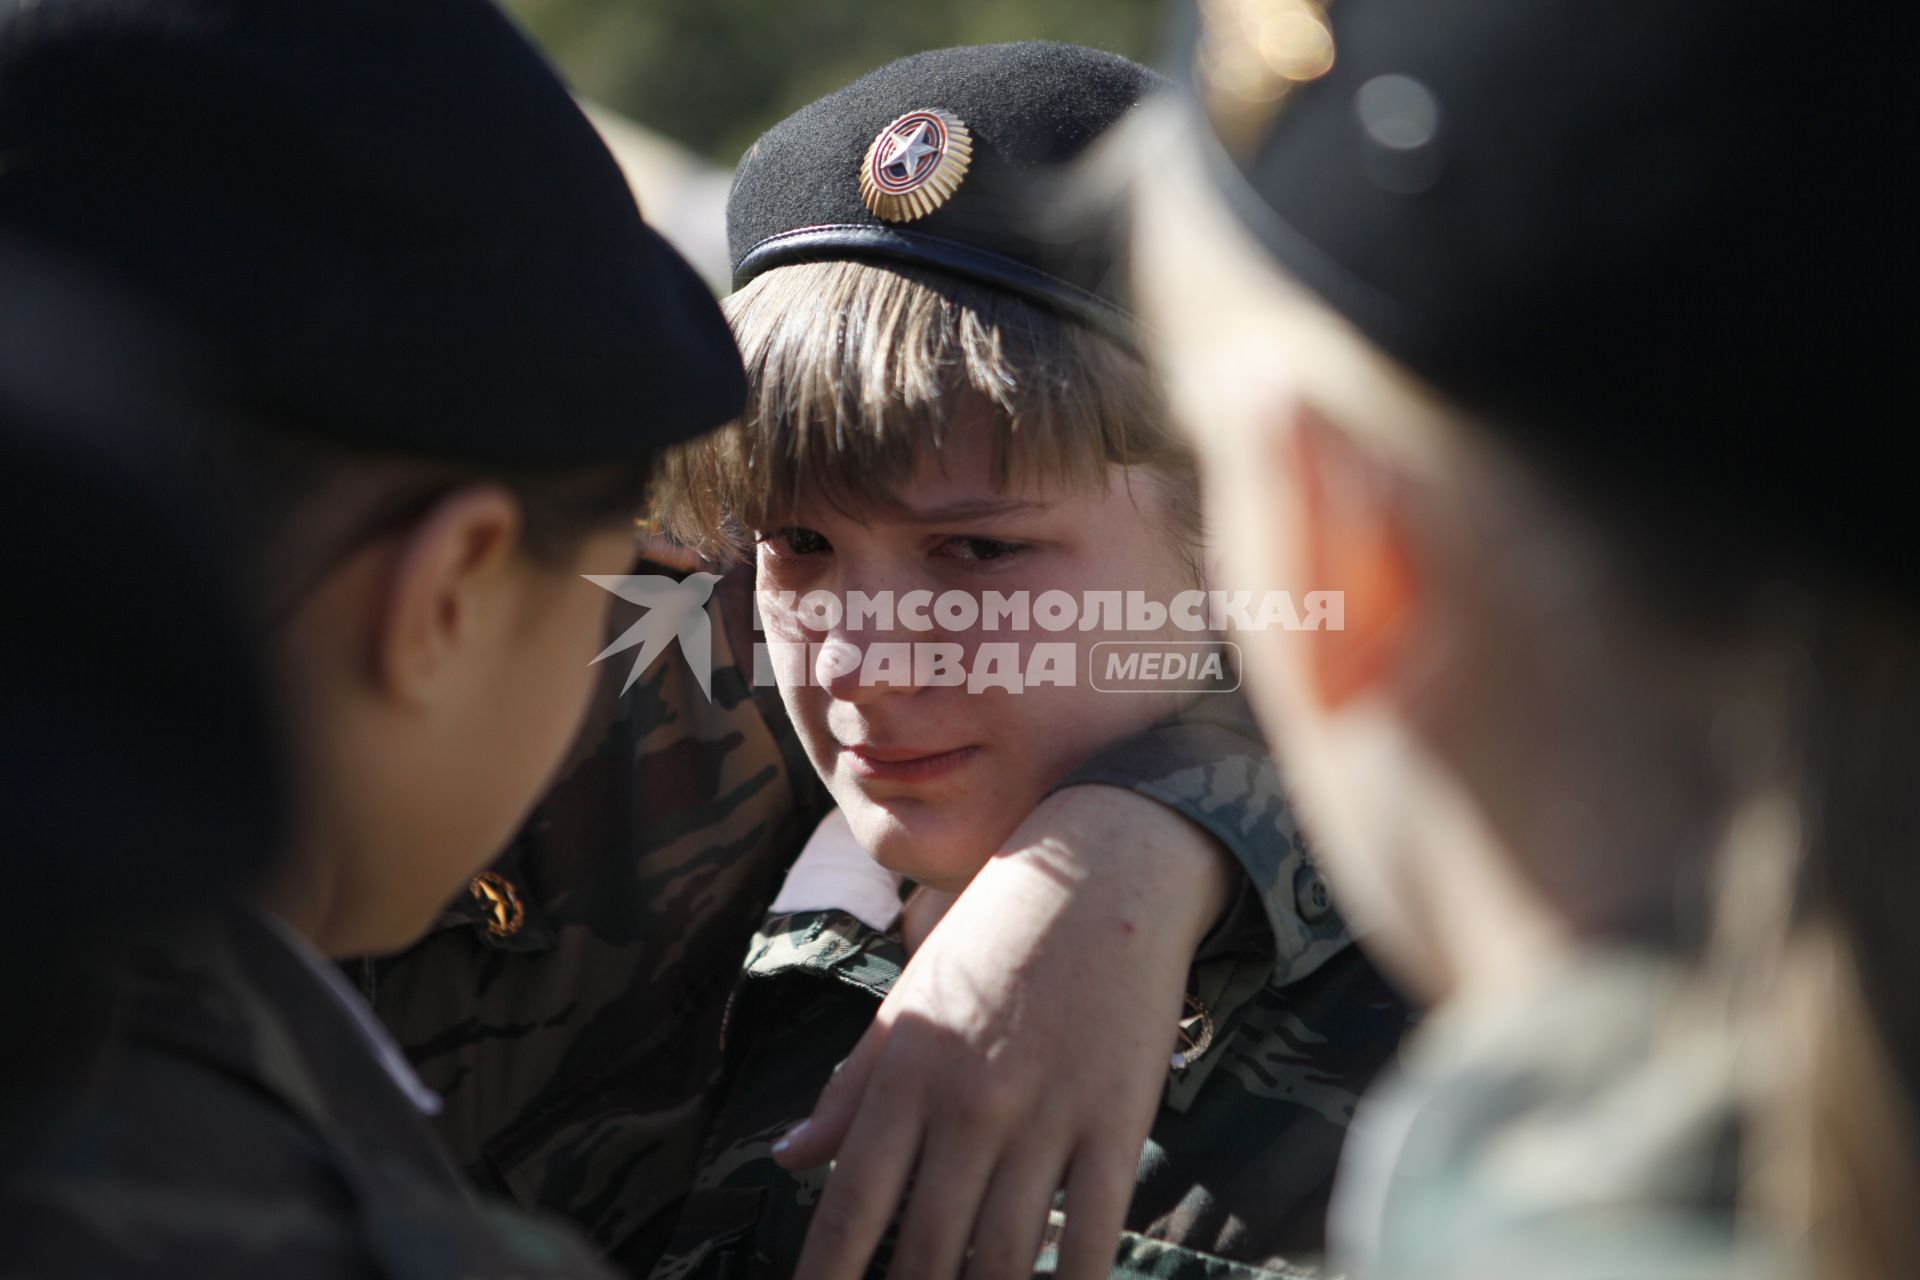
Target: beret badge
pixel 915 164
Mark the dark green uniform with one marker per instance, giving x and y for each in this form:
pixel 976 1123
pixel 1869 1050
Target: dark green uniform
pixel 1236 1174
pixel 249 1120
pixel 570 1011
pixel 1234 1178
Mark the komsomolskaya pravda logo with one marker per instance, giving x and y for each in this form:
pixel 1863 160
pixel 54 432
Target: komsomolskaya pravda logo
pixel 676 609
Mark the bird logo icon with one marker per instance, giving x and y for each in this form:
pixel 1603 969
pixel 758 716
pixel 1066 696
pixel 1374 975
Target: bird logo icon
pixel 675 609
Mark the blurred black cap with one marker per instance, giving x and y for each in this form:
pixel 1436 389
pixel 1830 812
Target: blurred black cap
pixel 1660 242
pixel 388 223
pixel 950 159
pixel 143 770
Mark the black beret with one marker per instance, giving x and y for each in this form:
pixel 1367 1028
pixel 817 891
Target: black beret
pixel 1655 241
pixel 1003 119
pixel 143 769
pixel 388 223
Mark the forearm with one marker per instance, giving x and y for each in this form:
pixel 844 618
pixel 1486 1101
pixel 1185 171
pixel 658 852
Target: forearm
pixel 1168 873
pixel 1210 768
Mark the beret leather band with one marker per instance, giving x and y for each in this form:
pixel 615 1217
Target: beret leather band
pixel 833 241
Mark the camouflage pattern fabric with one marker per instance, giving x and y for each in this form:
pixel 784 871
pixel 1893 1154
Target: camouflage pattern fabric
pixel 238 1122
pixel 569 1010
pixel 1234 1178
pixel 1588 1127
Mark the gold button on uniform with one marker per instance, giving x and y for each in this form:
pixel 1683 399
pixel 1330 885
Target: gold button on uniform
pixel 505 914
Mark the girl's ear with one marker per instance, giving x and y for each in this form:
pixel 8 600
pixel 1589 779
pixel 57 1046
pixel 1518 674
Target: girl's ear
pixel 1355 542
pixel 450 592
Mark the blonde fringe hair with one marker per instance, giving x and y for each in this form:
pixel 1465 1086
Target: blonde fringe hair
pixel 855 369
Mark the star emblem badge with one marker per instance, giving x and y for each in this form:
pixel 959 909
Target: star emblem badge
pixel 906 150
pixel 915 164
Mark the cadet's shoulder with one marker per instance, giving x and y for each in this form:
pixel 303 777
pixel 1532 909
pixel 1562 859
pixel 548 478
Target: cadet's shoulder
pixel 245 1119
pixel 1207 762
pixel 1211 729
pixel 1500 1135
pixel 168 1164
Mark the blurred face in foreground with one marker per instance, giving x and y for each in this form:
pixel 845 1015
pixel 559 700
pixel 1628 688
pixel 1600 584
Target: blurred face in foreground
pixel 1296 507
pixel 934 776
pixel 1501 752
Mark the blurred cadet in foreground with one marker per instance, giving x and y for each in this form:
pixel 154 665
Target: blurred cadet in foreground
pixel 1570 342
pixel 446 345
pixel 142 773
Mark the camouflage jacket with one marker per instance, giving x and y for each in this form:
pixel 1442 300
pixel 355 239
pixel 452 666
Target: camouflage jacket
pixel 568 1009
pixel 1234 1178
pixel 1589 1127
pixel 241 1121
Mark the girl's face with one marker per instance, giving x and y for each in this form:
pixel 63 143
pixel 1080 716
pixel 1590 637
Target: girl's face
pixel 934 775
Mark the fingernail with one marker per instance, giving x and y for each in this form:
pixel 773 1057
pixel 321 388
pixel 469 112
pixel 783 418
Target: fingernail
pixel 790 1137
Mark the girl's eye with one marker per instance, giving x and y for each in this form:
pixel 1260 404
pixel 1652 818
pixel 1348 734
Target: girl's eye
pixel 979 549
pixel 796 542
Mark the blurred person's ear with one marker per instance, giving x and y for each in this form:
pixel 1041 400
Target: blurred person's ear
pixel 452 593
pixel 1355 541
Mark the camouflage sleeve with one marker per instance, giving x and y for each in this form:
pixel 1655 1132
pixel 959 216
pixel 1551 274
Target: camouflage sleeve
pixel 1210 765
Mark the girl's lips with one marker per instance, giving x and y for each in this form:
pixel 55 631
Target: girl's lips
pixel 903 764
